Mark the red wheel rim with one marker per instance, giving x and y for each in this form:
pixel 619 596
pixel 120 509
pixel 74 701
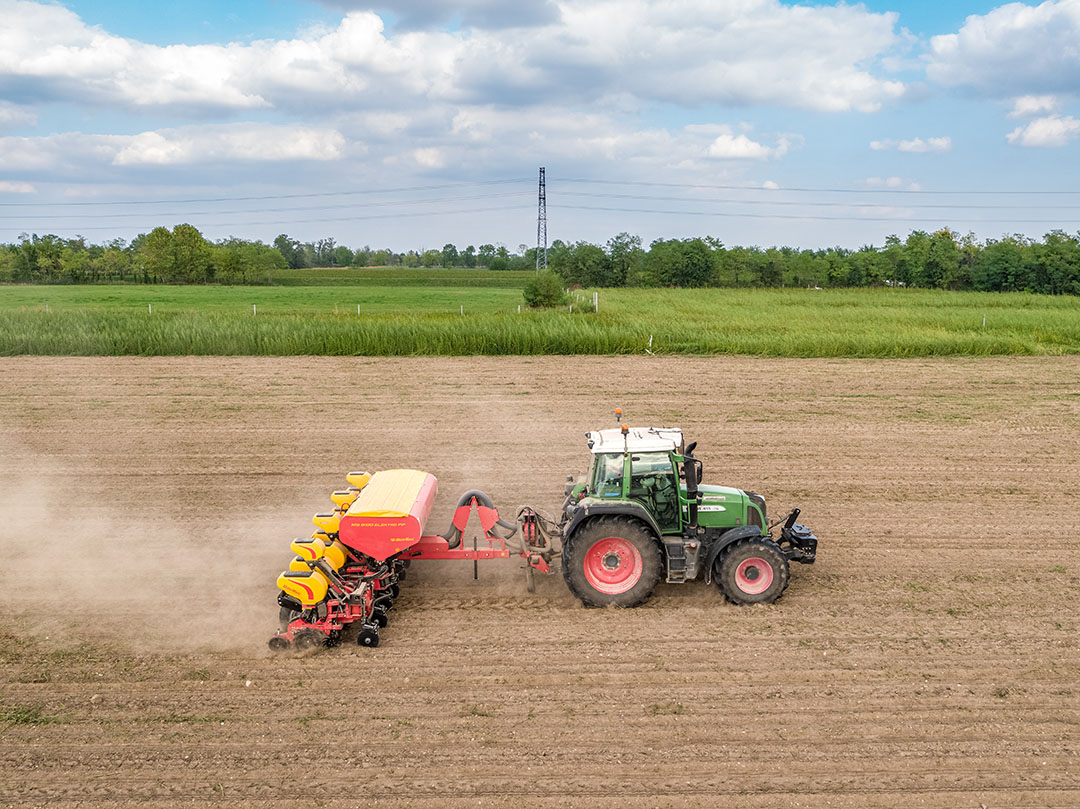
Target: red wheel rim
pixel 753 575
pixel 613 565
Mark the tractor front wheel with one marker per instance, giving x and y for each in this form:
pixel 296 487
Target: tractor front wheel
pixel 753 571
pixel 612 560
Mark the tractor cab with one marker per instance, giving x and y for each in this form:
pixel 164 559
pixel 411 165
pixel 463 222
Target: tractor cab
pixel 640 465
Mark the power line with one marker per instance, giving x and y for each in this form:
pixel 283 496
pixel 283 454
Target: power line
pixel 273 196
pixel 542 218
pixel 403 215
pixel 726 214
pixel 808 189
pixel 818 204
pixel 381 203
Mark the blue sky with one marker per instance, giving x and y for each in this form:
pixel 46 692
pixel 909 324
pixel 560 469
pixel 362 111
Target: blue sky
pixel 422 122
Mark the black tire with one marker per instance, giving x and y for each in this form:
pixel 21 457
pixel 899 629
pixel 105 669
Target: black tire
pixel 606 545
pixel 368 638
pixel 752 571
pixel 307 639
pixel 286 616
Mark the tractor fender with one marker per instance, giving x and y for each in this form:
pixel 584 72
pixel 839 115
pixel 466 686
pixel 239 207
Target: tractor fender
pixel 595 510
pixel 725 540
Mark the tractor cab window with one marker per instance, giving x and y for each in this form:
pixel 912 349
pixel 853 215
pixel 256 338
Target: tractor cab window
pixel 607 475
pixel 653 483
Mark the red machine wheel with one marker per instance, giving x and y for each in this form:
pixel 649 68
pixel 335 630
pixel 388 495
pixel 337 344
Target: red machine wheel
pixel 753 575
pixel 753 571
pixel 612 560
pixel 612 565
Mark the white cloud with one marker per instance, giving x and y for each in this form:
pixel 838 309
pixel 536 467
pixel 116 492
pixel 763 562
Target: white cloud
pixel 917 145
pixel 770 185
pixel 740 147
pixel 467 13
pixel 1053 130
pixel 746 53
pixel 184 146
pixel 16 187
pixel 13 116
pixel 429 157
pixel 1028 106
pixel 892 182
pixel 928 145
pixel 1016 49
pixel 247 142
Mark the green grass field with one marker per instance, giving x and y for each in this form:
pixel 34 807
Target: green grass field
pixel 420 313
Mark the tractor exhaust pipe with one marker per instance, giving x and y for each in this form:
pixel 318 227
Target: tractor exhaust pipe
pixel 692 473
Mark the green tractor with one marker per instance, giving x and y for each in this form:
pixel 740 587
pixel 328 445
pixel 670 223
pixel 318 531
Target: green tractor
pixel 643 514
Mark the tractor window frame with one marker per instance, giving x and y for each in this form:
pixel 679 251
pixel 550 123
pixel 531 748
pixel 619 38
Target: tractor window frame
pixel 656 465
pixel 608 474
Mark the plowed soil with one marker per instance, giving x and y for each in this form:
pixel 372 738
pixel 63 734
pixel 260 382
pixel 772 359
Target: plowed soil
pixel 929 659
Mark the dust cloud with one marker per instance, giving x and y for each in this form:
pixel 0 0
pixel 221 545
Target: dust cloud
pixel 80 567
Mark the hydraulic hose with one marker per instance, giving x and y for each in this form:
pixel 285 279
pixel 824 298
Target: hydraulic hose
pixel 453 533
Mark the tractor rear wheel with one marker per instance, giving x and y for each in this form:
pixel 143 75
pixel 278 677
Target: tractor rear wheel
pixel 612 560
pixel 753 571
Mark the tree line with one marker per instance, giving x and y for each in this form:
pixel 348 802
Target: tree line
pixel 938 260
pixel 942 259
pixel 183 256
pixel 179 256
pixel 328 253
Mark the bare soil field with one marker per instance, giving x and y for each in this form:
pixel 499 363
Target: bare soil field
pixel 929 659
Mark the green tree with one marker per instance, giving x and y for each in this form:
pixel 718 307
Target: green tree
pixel 1001 266
pixel 625 255
pixel 912 269
pixel 227 266
pixel 343 256
pixel 1057 264
pixel 969 258
pixel 449 256
pixel 679 262
pixel 892 258
pixel 290 250
pixel 158 256
pixel 74 264
pixel 193 260
pixel 468 256
pixel 7 265
pixel 770 268
pixel 544 290
pixel 942 260
pixel 583 264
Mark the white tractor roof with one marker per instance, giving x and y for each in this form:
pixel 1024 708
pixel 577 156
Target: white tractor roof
pixel 639 439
